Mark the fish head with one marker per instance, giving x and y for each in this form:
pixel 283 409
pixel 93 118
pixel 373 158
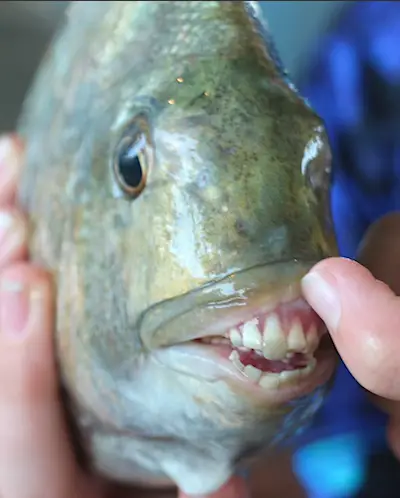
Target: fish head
pixel 196 199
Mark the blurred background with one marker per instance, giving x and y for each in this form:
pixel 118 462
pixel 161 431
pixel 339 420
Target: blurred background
pixel 345 58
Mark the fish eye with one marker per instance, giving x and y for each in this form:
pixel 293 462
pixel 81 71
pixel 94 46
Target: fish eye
pixel 131 162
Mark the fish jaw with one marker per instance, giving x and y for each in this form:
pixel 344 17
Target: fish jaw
pixel 279 353
pixel 233 411
pixel 253 329
pixel 207 415
pixel 192 413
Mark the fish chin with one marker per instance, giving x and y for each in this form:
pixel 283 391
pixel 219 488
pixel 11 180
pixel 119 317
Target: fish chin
pixel 240 383
pixel 199 429
pixel 227 371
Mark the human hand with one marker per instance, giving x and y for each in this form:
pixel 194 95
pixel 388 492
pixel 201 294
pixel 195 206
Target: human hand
pixel 363 314
pixel 36 456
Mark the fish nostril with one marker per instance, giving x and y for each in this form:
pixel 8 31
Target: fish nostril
pixel 242 227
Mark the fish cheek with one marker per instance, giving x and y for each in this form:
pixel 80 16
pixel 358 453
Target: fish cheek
pixel 94 327
pixel 73 339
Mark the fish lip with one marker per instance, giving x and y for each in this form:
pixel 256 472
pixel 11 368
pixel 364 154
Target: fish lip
pixel 233 290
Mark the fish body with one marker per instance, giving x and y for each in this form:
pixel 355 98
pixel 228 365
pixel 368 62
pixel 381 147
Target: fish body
pixel 178 189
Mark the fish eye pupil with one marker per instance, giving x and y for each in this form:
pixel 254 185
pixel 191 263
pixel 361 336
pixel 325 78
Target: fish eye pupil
pixel 130 168
pixel 131 161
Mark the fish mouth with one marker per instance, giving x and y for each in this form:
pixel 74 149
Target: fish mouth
pixel 263 335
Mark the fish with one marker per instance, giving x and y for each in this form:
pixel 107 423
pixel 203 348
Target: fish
pixel 177 186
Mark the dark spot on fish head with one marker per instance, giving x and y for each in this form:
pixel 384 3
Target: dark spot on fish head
pixel 118 221
pixel 203 179
pixel 229 151
pixel 242 227
pixel 79 189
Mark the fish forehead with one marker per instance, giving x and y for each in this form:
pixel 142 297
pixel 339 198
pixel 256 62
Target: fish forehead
pixel 247 109
pixel 143 36
pixel 175 28
pixel 107 77
pixel 107 52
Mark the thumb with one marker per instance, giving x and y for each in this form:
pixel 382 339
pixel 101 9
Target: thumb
pixel 35 455
pixel 361 312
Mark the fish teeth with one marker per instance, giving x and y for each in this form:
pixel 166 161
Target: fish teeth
pixel 235 359
pixel 274 343
pixel 274 340
pixel 270 381
pixel 252 373
pixel 251 335
pixel 235 337
pixel 296 338
pixel 276 380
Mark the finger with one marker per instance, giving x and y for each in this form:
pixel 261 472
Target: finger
pixel 35 455
pixel 363 317
pixel 11 157
pixel 13 237
pixel 379 251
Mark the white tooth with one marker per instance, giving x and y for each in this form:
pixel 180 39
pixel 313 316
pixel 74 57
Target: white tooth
pixel 288 375
pixel 312 338
pixel 274 340
pixel 234 354
pixel 251 335
pixel 296 339
pixel 252 372
pixel 234 357
pixel 269 381
pixel 235 337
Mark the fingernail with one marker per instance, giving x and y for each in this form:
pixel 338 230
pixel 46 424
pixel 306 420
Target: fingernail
pixel 15 300
pixel 323 298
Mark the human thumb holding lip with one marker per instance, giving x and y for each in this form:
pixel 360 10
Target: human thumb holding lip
pixel 362 312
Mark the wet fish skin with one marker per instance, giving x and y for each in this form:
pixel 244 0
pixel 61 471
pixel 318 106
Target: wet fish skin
pixel 237 170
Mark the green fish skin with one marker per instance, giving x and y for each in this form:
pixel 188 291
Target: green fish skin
pixel 178 190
